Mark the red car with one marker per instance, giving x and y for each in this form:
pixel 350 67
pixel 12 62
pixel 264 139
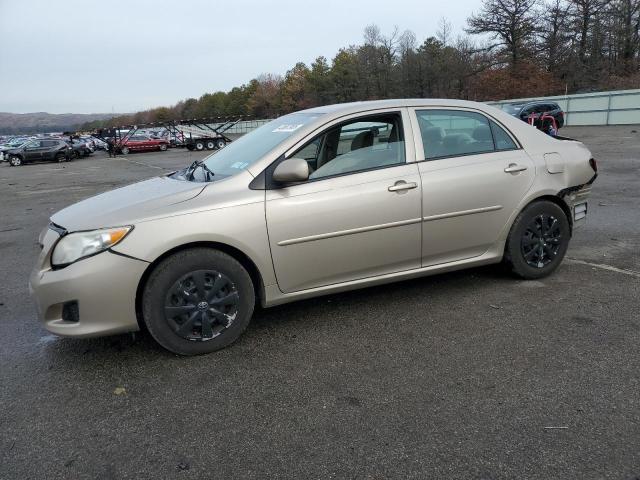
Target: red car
pixel 142 143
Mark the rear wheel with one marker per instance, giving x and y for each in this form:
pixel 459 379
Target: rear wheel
pixel 210 145
pixel 538 240
pixel 125 150
pixel 163 147
pixel 15 161
pixel 221 144
pixel 199 146
pixel 197 301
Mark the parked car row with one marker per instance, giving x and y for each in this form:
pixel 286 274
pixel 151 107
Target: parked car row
pixel 19 150
pixel 35 150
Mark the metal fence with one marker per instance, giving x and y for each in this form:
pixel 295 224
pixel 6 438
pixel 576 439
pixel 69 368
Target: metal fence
pixel 620 107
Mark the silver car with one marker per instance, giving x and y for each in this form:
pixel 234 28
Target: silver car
pixel 320 201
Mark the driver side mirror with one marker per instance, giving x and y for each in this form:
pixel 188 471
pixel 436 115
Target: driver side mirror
pixel 292 170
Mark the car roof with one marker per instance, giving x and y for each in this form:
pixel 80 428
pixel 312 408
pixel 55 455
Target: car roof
pixel 535 102
pixel 355 107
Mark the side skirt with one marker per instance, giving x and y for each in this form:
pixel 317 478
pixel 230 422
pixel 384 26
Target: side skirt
pixel 273 296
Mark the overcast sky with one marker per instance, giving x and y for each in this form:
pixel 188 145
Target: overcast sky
pixel 73 56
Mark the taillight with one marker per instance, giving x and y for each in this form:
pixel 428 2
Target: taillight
pixel 593 164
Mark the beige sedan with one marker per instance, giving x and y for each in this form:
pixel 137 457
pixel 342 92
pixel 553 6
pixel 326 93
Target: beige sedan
pixel 315 202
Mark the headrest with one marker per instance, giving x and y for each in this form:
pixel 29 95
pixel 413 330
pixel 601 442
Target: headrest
pixel 482 133
pixel 432 134
pixel 362 140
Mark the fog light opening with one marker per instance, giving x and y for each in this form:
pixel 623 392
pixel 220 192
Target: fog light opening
pixel 70 312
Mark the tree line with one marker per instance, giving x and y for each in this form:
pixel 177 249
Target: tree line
pixel 510 49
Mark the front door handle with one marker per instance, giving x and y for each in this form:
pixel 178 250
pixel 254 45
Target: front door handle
pixel 514 168
pixel 402 185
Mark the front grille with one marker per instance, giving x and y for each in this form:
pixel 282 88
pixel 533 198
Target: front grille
pixel 70 312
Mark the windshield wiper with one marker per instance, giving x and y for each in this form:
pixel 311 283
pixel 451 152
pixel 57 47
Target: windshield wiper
pixel 191 170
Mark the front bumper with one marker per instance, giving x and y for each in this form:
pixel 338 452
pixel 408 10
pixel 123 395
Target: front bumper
pixel 101 291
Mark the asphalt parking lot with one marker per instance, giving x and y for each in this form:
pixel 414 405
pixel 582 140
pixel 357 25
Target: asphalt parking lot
pixel 465 375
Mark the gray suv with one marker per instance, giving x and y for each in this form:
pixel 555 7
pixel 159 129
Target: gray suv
pixel 38 150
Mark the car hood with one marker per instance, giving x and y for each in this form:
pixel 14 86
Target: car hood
pixel 127 205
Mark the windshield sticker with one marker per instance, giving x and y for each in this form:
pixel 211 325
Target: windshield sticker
pixel 240 165
pixel 287 128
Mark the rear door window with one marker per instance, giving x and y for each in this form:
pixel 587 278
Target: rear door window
pixel 451 133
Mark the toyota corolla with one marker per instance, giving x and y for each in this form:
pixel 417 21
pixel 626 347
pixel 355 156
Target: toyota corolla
pixel 315 202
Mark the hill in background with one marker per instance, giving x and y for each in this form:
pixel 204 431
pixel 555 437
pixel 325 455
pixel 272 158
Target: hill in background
pixel 38 122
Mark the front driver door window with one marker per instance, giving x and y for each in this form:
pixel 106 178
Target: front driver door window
pixel 360 145
pixel 359 214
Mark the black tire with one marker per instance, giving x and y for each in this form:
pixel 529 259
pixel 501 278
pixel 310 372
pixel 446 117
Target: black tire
pixel 125 150
pixel 210 145
pixel 15 161
pixel 162 147
pixel 173 286
pixel 199 146
pixel 221 144
pixel 538 240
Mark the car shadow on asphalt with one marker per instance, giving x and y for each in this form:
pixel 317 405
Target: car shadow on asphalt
pixel 304 314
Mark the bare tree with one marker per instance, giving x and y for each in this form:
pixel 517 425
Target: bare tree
pixel 554 33
pixel 444 31
pixel 584 13
pixel 511 24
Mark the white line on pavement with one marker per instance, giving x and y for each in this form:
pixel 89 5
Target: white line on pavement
pixel 604 267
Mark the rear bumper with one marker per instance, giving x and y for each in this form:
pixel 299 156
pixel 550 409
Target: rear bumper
pixel 90 298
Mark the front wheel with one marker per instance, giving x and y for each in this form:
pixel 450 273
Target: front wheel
pixel 197 301
pixel 15 161
pixel 125 150
pixel 163 147
pixel 538 240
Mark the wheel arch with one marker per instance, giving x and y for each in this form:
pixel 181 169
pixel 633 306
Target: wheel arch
pixel 558 201
pixel 237 254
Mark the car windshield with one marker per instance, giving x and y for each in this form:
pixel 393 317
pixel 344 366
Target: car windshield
pixel 511 108
pixel 248 149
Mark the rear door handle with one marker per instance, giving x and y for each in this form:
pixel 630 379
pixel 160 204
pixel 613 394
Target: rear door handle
pixel 402 185
pixel 514 168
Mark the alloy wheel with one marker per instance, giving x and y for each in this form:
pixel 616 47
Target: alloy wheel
pixel 541 240
pixel 201 305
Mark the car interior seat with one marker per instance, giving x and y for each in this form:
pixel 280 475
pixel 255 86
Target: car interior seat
pixel 483 138
pixel 432 141
pixel 362 140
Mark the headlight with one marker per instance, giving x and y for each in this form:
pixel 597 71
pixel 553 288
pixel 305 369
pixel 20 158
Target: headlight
pixel 74 246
